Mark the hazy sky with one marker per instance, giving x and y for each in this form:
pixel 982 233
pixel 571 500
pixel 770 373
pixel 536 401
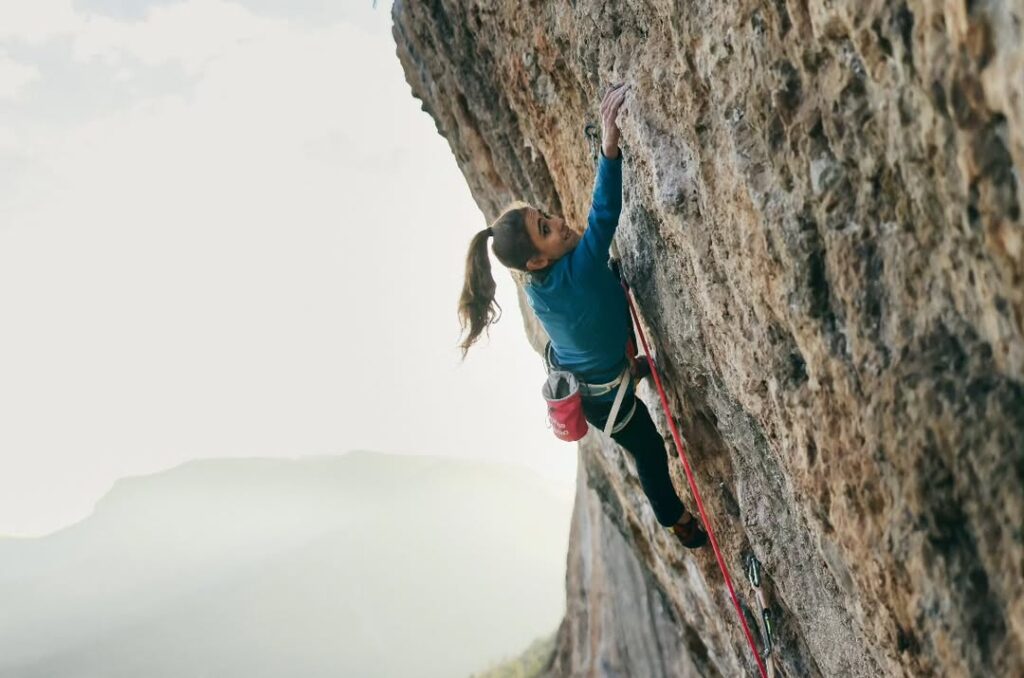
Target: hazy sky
pixel 226 229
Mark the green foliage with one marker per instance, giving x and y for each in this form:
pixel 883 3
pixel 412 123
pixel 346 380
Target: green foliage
pixel 530 664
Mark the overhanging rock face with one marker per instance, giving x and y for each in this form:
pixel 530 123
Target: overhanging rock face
pixel 822 225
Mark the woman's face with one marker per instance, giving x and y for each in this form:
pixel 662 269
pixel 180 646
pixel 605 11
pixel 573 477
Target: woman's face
pixel 551 236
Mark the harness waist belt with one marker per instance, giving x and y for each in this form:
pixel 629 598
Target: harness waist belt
pixel 591 390
pixel 594 390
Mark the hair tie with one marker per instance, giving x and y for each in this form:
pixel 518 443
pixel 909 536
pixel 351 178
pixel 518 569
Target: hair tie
pixel 490 232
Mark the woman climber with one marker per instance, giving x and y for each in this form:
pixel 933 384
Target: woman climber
pixel 583 308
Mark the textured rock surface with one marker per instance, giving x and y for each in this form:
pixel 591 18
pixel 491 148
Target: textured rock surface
pixel 822 225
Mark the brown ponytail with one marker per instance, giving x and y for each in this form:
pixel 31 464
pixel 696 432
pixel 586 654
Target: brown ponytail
pixel 477 307
pixel 512 245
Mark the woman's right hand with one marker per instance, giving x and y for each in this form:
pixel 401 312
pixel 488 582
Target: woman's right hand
pixel 610 107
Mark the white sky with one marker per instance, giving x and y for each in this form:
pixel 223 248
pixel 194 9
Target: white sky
pixel 226 229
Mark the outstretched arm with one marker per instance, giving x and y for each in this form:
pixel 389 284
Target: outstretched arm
pixel 607 202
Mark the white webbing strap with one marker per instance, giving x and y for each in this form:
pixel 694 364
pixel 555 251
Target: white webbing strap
pixel 619 395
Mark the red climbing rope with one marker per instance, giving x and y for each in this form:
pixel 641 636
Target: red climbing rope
pixel 692 481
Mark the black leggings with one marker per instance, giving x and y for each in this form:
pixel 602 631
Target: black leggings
pixel 641 439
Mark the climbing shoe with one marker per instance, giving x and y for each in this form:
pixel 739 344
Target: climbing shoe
pixel 690 533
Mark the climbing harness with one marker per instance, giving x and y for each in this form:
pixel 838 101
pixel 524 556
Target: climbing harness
pixel 754 575
pixel 691 480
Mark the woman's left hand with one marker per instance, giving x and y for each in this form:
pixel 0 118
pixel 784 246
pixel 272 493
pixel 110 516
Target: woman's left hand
pixel 610 107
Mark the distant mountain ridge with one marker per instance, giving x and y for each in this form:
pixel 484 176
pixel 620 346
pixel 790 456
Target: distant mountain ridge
pixel 312 566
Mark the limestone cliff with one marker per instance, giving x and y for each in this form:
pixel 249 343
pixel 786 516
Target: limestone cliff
pixel 822 225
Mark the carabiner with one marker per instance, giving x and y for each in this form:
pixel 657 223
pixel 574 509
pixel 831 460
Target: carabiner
pixel 754 571
pixel 593 138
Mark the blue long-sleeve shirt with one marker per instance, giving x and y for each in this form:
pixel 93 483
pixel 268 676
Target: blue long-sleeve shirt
pixel 579 299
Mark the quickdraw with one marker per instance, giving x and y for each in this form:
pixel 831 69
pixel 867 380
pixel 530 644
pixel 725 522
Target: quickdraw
pixel 754 575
